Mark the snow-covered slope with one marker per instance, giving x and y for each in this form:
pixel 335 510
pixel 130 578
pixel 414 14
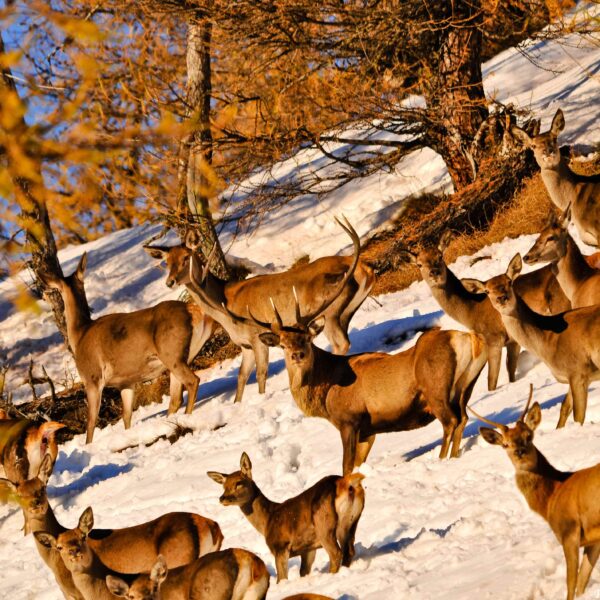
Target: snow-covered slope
pixel 455 529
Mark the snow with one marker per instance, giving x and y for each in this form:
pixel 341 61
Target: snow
pixel 430 529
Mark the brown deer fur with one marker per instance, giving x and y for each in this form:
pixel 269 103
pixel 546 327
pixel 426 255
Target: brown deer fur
pixel 232 574
pixel 323 516
pixel 122 349
pixel 564 186
pixel 313 283
pixel 567 343
pixel 567 501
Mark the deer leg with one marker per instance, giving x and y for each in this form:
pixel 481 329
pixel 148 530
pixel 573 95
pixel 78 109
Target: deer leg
pixel 93 393
pixel 127 397
pixel 449 424
pixel 175 393
pixel 331 546
pixel 246 367
pixel 570 544
pixel 494 361
pixel 590 557
pixel 512 356
pixel 465 396
pixel 282 558
pixel 348 545
pixel 565 409
pixel 306 562
pixel 362 450
pixel 349 441
pixel 261 353
pixel 188 378
pixel 579 393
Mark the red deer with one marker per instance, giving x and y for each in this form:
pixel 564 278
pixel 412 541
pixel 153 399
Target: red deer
pixel 181 537
pixel 177 536
pixel 564 186
pixel 323 516
pixel 232 574
pixel 579 280
pixel 567 343
pixel 122 349
pixel 567 501
pixel 313 283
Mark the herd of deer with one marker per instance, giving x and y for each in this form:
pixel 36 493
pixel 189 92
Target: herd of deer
pixel 554 312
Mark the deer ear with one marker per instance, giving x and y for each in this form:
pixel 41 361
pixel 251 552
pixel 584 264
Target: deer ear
pixel 45 469
pixel 558 123
pixel 316 326
pixel 9 485
pixel 491 436
pixel 80 270
pixel 49 281
pixel 86 520
pixel 269 339
pixel 159 570
pixel 157 252
pixel 192 240
pixel 45 539
pixel 117 586
pixel 246 465
pixel 514 266
pixel 533 417
pixel 473 285
pixel 521 135
pixel 445 240
pixel 218 477
pixel 565 218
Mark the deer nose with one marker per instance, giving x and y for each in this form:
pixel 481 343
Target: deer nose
pixel 298 355
pixel 529 257
pixel 170 282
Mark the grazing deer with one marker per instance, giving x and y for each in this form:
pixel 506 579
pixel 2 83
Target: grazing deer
pixel 313 283
pixel 23 446
pixel 564 186
pixel 232 574
pixel 474 311
pixel 323 516
pixel 567 501
pixel 178 537
pixel 567 343
pixel 580 281
pixel 122 349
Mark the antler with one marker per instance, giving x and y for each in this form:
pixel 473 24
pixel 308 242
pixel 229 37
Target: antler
pixel 309 318
pixel 528 402
pixel 500 426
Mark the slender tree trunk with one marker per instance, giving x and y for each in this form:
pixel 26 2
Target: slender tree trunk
pixel 456 94
pixel 195 156
pixel 25 170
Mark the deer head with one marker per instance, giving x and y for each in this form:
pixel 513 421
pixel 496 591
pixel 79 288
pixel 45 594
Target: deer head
pixel 430 261
pixel 500 288
pixel 72 544
pixel 516 440
pixel 145 587
pixel 545 145
pixel 551 244
pixel 239 488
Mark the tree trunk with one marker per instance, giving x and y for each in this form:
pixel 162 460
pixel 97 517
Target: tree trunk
pixel 195 156
pixel 25 170
pixel 455 94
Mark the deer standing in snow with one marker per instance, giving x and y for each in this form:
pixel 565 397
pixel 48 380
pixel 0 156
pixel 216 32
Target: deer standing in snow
pixel 122 349
pixel 567 501
pixel 565 187
pixel 323 516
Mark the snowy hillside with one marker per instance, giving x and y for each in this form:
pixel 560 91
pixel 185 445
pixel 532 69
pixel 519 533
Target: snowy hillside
pixel 457 529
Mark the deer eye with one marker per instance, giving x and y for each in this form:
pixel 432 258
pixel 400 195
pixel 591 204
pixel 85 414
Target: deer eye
pixel 239 485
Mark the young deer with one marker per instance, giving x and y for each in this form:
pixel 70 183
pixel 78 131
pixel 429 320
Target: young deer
pixel 323 516
pixel 580 281
pixel 567 501
pixel 232 574
pixel 122 349
pixel 180 536
pixel 23 446
pixel 314 282
pixel 564 186
pixel 567 343
pixel 124 551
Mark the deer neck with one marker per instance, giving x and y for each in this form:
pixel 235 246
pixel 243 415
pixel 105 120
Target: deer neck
pixel 310 389
pixel 77 316
pixel 46 522
pixel 91 580
pixel 539 482
pixel 453 297
pixel 573 269
pixel 258 510
pixel 210 296
pixel 527 327
pixel 560 183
